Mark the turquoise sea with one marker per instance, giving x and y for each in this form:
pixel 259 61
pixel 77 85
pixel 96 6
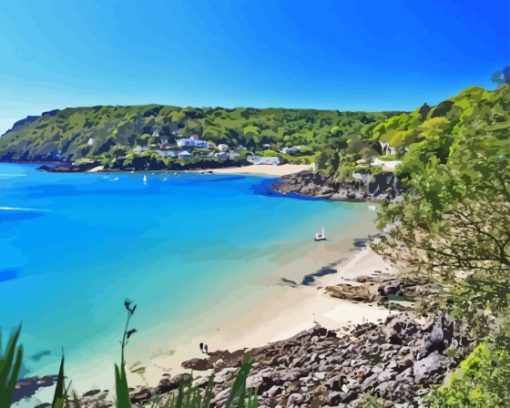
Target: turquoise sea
pixel 74 246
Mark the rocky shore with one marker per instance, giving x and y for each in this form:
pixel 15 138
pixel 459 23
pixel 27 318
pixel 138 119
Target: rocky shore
pixel 363 187
pixel 398 360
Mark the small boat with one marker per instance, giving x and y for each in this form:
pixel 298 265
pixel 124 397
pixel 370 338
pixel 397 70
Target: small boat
pixel 320 236
pixel 144 179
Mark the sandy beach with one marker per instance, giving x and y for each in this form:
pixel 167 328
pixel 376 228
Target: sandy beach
pixel 283 312
pixel 266 169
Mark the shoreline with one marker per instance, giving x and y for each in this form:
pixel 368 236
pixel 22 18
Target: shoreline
pixel 263 169
pixel 297 309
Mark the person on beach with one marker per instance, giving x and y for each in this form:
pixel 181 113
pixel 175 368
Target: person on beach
pixel 206 349
pixel 201 347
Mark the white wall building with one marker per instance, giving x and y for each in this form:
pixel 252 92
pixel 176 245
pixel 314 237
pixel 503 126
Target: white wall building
pixel 257 160
pixel 185 155
pixel 191 142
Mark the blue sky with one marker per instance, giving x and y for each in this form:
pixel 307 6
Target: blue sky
pixel 346 55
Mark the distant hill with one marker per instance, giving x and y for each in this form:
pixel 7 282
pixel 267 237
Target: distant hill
pixel 112 132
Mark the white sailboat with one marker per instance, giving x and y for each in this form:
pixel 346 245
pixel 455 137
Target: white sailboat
pixel 144 180
pixel 320 236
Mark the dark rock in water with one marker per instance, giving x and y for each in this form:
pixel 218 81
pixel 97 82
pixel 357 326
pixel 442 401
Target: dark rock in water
pixel 26 387
pixel 289 282
pixel 68 167
pixel 382 186
pixel 310 278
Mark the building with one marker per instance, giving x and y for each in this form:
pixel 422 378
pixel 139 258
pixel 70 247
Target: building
pixel 91 141
pixel 192 143
pixel 258 160
pixel 233 155
pixel 185 155
pixel 167 153
pixel 221 155
pixel 222 147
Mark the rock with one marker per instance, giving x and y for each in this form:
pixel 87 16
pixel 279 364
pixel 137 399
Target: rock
pixel 427 369
pixel 335 383
pixel 91 393
pixel 295 399
pixel 140 396
pixel 386 388
pixel 198 364
pixel 346 291
pixel 168 384
pixel 361 188
pixel 398 328
pixel 405 376
pixel 274 390
pixel 334 398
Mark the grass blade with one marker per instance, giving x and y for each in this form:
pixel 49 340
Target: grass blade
pixel 10 365
pixel 60 395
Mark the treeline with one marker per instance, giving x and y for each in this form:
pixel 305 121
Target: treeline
pixel 111 132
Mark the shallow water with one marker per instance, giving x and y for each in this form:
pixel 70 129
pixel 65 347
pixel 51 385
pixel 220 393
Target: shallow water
pixel 74 246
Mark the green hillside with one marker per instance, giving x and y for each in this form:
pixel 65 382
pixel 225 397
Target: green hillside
pixel 415 137
pixel 110 133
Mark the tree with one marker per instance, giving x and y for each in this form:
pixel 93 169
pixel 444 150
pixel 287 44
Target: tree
pixel 502 77
pixel 452 225
pixel 144 140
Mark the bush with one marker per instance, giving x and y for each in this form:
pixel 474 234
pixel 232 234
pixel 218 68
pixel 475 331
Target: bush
pixel 482 379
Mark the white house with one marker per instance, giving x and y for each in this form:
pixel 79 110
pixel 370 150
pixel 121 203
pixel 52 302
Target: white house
pixel 185 155
pixel 222 147
pixel 167 153
pixel 91 141
pixel 257 160
pixel 191 142
pixel 221 155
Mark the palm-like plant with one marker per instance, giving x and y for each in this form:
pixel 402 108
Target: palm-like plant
pixel 10 365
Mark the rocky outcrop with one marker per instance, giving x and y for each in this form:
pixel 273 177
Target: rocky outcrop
pixel 68 167
pixel 397 360
pixel 26 387
pixel 319 367
pixel 382 186
pixel 379 288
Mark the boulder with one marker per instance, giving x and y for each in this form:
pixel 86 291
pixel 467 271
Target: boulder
pixel 428 369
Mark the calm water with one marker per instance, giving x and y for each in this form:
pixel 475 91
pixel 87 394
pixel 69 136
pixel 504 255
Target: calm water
pixel 73 246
